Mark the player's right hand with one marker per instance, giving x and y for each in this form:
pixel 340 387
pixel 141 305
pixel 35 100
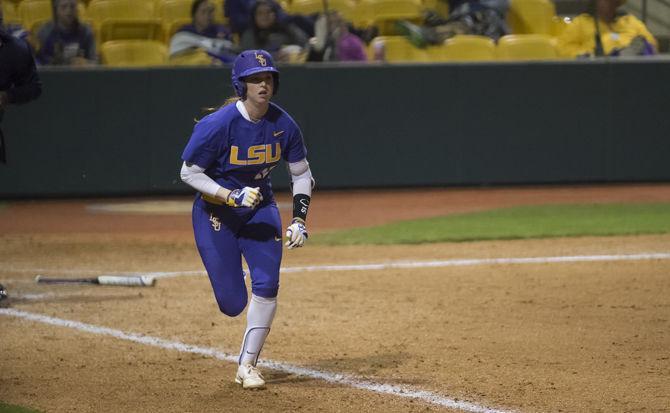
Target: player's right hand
pixel 296 233
pixel 245 197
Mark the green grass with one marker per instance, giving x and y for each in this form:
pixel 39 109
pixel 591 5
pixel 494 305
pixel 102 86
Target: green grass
pixel 543 221
pixel 10 408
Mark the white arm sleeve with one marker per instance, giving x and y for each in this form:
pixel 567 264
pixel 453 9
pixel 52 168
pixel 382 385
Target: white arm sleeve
pixel 195 177
pixel 301 176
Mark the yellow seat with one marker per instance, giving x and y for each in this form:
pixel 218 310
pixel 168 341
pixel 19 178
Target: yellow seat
pixel 531 16
pixel 218 12
pixel 384 14
pixel 34 13
pixel 433 53
pixel 441 7
pixel 124 19
pixel 526 47
pixel 125 53
pixel 10 14
pixel 197 57
pixel 559 24
pixel 82 12
pixel 469 48
pixel 174 14
pixel 306 7
pixel 395 49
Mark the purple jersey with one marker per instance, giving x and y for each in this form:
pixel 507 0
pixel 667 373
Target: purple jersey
pixel 237 153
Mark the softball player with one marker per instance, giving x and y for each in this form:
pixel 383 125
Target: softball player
pixel 228 160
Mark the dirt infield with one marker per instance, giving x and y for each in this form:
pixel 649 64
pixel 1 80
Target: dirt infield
pixel 572 336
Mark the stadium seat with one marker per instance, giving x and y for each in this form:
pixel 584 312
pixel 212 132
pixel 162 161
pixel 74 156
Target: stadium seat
pixel 441 7
pixel 218 12
pixel 124 19
pixel 384 13
pixel 469 48
pixel 531 16
pixel 82 11
pixel 174 14
pixel 559 24
pixel 197 57
pixel 10 14
pixel 34 13
pixel 526 47
pixel 395 49
pixel 430 54
pixel 125 53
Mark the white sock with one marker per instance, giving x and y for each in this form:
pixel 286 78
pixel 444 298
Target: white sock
pixel 259 319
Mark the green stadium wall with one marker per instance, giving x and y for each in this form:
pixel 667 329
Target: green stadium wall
pixel 121 132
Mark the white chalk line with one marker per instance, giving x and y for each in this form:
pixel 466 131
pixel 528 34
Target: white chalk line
pixel 478 261
pixel 397 264
pixel 83 271
pixel 330 377
pixel 53 295
pixel 45 296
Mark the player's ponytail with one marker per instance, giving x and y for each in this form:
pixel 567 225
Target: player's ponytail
pixel 232 99
pixel 212 109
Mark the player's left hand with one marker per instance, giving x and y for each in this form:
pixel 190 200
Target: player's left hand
pixel 296 234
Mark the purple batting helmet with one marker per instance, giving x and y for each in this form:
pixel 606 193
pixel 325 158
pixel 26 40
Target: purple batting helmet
pixel 250 62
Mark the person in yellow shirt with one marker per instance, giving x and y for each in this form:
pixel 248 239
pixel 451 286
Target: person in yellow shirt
pixel 620 33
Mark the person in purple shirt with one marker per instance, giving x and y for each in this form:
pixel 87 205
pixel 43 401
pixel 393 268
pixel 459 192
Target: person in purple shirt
pixel 65 40
pixel 228 160
pixel 239 13
pixel 334 42
pixel 202 15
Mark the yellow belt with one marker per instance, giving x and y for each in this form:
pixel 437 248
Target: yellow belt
pixel 212 200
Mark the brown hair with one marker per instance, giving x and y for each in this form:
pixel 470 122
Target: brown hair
pixel 212 109
pixel 232 99
pixel 54 5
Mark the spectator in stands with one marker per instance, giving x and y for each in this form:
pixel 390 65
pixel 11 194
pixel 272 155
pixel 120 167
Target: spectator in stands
pixel 15 30
pixel 203 34
pixel 239 14
pixel 282 40
pixel 475 17
pixel 202 15
pixel 334 42
pixel 65 40
pixel 19 82
pixel 620 33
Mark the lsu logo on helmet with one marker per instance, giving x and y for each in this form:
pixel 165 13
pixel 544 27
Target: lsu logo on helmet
pixel 261 59
pixel 250 62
